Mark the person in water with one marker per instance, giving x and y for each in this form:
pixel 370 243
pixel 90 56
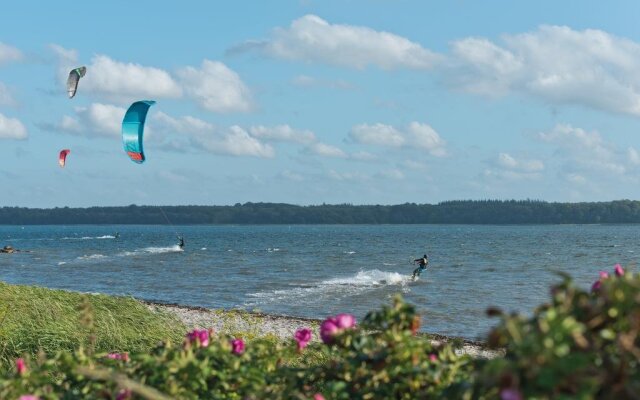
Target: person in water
pixel 117 235
pixel 181 242
pixel 422 265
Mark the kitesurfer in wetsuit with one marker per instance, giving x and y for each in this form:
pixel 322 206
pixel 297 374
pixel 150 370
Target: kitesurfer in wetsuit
pixel 422 265
pixel 7 249
pixel 117 235
pixel 181 242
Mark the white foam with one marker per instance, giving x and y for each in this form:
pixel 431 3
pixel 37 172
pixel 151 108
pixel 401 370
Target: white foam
pixel 362 281
pixel 62 263
pixel 153 250
pixel 89 237
pixel 92 257
pixel 349 252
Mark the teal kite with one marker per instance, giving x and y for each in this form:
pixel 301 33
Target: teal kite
pixel 133 129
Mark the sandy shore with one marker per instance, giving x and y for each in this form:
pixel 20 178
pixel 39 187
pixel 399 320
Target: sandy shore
pixel 254 324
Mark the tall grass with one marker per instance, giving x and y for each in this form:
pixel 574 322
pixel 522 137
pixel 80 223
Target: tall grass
pixel 34 318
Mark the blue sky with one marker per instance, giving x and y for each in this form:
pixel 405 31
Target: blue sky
pixel 309 102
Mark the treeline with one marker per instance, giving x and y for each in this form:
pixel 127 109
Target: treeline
pixel 448 212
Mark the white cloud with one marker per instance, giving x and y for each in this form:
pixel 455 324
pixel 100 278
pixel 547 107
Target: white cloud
pixel 12 128
pixel 507 161
pixel 416 135
pixel 96 119
pixel 309 82
pixel 117 79
pixel 282 133
pixel 326 150
pixel 556 63
pixel 377 134
pixel 312 39
pixel 633 156
pixel 575 178
pixel 216 87
pixel 202 135
pixel 586 152
pixel 9 54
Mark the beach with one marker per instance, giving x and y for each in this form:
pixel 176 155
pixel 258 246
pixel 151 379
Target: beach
pixel 283 327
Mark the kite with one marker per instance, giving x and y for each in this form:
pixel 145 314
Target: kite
pixel 63 157
pixel 133 129
pixel 74 78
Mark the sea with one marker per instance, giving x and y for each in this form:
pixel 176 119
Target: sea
pixel 320 270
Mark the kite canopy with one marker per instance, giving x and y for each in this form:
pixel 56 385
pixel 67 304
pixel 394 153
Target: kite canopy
pixel 133 129
pixel 63 157
pixel 74 78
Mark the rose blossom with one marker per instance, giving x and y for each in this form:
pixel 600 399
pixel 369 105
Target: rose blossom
pixel 21 367
pixel 237 346
pixel 303 337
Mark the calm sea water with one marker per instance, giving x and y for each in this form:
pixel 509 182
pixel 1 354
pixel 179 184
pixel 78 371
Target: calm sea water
pixel 315 271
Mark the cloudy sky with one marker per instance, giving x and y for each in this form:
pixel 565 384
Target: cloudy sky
pixel 309 101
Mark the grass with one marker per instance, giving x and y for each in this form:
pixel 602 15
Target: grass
pixel 34 318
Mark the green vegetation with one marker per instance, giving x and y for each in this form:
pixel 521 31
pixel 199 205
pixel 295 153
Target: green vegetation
pixel 582 345
pixel 33 319
pixel 449 212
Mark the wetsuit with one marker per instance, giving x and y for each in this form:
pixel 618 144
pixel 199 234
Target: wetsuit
pixel 422 265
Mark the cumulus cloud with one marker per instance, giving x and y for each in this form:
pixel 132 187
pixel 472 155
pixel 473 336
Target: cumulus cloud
pixel 507 161
pixel 95 120
pixel 312 39
pixel 283 133
pixel 216 87
pixel 416 135
pixel 587 154
pixel 200 134
pixel 347 176
pixel 12 128
pixel 556 63
pixel 114 79
pixel 507 167
pixel 326 150
pixel 9 54
pixel 213 86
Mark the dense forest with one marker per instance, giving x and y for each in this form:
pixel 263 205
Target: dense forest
pixel 448 212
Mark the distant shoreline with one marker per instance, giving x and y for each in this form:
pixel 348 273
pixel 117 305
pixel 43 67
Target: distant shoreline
pixel 464 212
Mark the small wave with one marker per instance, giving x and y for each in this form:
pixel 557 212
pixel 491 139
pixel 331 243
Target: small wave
pixel 349 252
pixel 352 285
pixel 204 248
pixel 89 237
pixel 153 250
pixel 271 250
pixel 389 264
pixel 91 257
pixel 62 263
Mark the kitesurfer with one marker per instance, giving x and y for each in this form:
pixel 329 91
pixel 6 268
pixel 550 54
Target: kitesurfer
pixel 422 265
pixel 117 235
pixel 181 241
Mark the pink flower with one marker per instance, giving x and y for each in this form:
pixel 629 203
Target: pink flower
pixel 596 286
pixel 345 321
pixel 29 397
pixel 604 274
pixel 510 394
pixel 200 336
pixel 335 325
pixel 618 269
pixel 237 346
pixel 124 394
pixel 318 396
pixel 21 367
pixel 433 357
pixel 303 337
pixel 118 356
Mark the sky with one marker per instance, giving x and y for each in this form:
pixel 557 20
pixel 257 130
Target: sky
pixel 310 102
